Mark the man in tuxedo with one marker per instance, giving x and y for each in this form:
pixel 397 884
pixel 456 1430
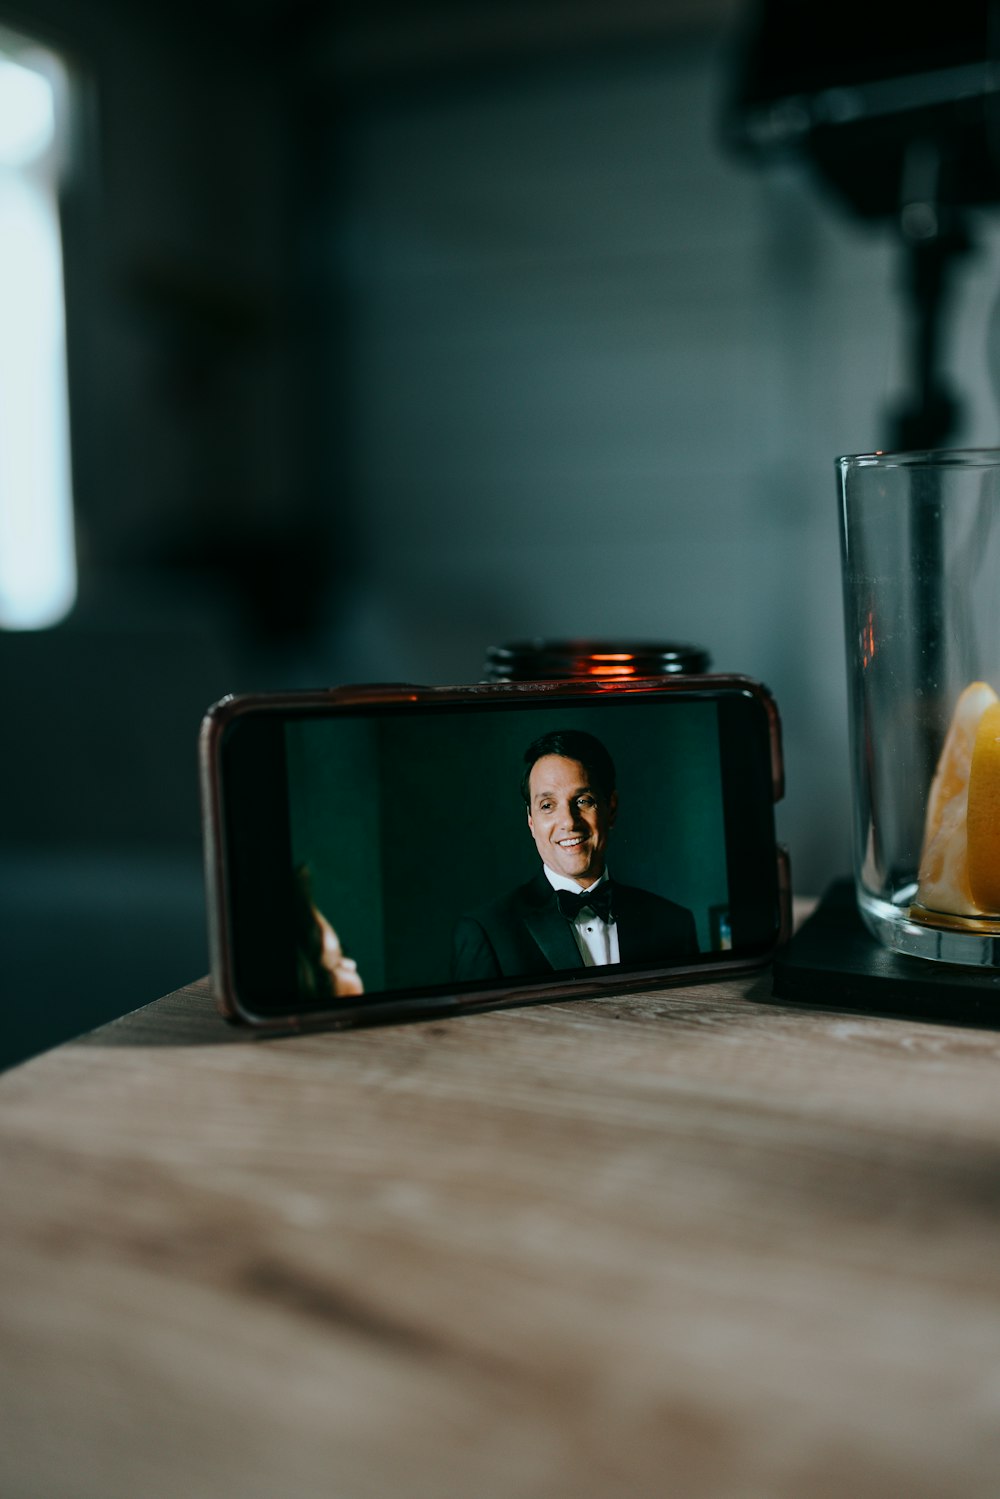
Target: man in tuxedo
pixel 571 914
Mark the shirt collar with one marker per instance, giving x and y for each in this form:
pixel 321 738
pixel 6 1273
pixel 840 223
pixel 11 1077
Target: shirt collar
pixel 563 882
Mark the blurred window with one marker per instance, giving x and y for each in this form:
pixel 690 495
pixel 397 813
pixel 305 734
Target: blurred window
pixel 37 550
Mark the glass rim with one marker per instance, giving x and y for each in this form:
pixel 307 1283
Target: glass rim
pixel 922 458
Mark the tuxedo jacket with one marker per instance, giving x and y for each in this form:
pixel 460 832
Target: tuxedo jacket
pixel 523 933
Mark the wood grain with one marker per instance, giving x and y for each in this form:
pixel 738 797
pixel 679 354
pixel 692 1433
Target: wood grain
pixel 686 1243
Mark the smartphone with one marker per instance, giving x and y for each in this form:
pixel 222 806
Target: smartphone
pixel 378 853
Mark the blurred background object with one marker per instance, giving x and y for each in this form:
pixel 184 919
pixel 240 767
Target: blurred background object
pixel 897 110
pixel 557 660
pixel 394 330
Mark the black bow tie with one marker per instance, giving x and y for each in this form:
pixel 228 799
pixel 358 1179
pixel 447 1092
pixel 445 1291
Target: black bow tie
pixel 598 901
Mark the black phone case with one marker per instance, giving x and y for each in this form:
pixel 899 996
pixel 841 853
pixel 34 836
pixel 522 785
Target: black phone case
pixel 590 983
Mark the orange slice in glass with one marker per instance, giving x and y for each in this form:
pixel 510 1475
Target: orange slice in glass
pixel 983 817
pixel 951 778
pixel 943 880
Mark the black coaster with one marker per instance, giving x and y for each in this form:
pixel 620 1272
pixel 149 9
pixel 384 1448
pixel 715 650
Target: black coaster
pixel 833 963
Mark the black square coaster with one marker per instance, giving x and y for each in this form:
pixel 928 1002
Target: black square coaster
pixel 833 963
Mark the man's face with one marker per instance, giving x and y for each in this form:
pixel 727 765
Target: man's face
pixel 569 819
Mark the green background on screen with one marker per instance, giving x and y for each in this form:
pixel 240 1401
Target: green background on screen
pixel 408 821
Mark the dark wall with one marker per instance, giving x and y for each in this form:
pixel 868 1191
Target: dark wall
pixel 192 479
pixel 199 478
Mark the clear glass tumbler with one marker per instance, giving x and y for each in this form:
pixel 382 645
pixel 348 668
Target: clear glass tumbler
pixel 921 570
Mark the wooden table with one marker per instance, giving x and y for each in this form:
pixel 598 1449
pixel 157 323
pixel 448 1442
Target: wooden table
pixel 684 1244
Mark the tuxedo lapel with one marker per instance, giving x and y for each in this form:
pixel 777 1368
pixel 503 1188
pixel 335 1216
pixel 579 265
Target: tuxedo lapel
pixel 630 934
pixel 523 932
pixel 549 929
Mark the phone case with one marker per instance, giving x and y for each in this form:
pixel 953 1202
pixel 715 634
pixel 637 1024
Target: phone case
pixel 589 984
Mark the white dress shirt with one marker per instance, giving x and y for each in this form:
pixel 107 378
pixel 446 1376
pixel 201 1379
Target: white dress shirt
pixel 596 938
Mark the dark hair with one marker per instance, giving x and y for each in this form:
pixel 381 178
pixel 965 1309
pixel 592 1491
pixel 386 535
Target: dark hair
pixel 572 744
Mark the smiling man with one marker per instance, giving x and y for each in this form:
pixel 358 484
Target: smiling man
pixel 571 914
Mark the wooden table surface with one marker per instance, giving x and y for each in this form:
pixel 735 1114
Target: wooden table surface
pixel 687 1243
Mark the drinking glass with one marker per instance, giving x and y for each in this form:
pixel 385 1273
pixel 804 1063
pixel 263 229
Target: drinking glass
pixel 921 571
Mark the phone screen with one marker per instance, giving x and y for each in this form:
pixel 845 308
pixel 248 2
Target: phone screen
pixel 429 849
